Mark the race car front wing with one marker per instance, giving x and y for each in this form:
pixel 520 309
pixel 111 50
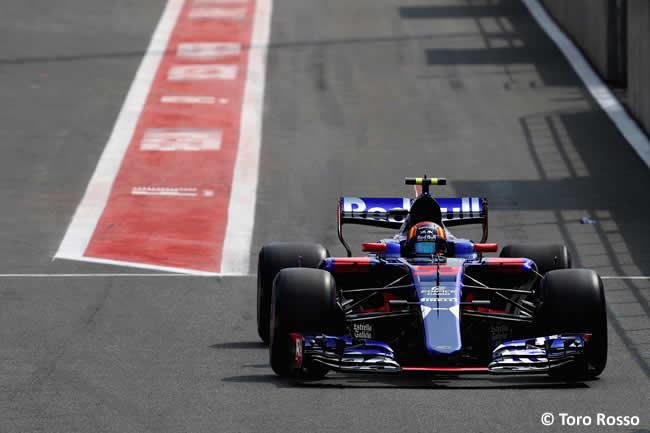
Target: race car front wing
pixel 343 354
pixel 533 355
pixel 540 354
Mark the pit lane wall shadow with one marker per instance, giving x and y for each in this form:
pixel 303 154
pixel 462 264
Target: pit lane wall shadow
pixel 584 167
pixel 607 188
pixel 614 37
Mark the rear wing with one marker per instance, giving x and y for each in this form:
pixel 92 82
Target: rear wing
pixel 391 212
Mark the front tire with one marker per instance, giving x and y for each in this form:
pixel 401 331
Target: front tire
pixel 273 258
pixel 303 301
pixel 573 300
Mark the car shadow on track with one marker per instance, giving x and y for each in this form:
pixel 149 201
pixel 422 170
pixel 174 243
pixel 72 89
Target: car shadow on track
pixel 240 345
pixel 412 380
pixel 377 381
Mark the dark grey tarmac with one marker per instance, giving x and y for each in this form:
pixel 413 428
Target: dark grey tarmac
pixel 359 94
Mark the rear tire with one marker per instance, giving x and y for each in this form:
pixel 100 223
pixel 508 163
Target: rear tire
pixel 273 258
pixel 546 257
pixel 303 301
pixel 573 300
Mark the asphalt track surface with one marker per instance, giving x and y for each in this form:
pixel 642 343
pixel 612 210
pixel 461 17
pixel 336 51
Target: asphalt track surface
pixel 359 94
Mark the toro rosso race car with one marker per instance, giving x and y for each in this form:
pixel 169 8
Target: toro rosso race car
pixel 425 300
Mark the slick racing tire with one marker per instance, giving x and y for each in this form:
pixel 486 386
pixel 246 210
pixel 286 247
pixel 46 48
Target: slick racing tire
pixel 273 258
pixel 303 301
pixel 546 257
pixel 573 300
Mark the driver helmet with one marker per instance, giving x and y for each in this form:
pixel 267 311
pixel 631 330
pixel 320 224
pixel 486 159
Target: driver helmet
pixel 425 239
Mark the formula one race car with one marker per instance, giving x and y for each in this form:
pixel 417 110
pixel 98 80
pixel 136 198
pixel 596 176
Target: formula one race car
pixel 425 300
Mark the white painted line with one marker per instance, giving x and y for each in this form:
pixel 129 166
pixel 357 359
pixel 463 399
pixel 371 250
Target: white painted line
pixel 155 190
pixel 139 265
pixel 188 99
pixel 217 13
pixel 599 90
pixel 216 2
pixel 92 204
pixel 181 139
pixel 207 50
pixel 625 278
pixel 202 72
pixel 188 274
pixel 241 210
pixel 114 275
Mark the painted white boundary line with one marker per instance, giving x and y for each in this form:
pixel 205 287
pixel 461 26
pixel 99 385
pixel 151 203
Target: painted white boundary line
pixel 206 275
pixel 140 265
pixel 241 210
pixel 625 278
pixel 195 275
pixel 114 275
pixel 201 275
pixel 92 205
pixel 599 90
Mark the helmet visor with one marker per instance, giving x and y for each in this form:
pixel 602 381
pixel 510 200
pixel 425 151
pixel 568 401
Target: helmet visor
pixel 437 245
pixel 425 248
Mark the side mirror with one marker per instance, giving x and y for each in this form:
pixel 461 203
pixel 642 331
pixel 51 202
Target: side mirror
pixel 486 248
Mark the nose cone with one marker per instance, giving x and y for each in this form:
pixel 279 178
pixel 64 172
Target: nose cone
pixel 441 327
